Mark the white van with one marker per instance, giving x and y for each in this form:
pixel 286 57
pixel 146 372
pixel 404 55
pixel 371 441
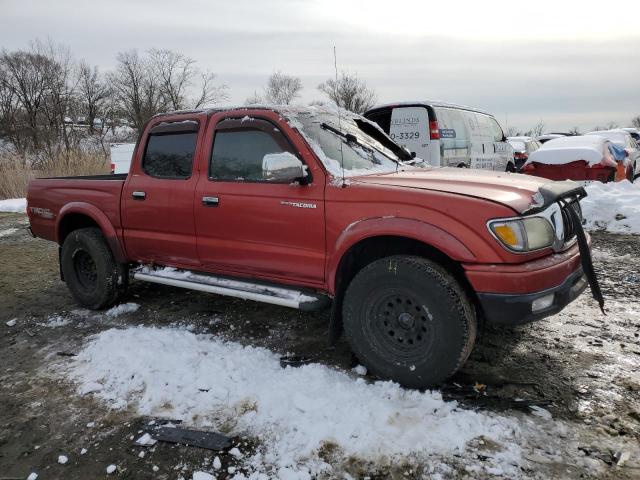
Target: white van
pixel 121 154
pixel 446 135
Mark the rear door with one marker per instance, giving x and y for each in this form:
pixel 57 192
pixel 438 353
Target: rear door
pixel 248 226
pixel 409 127
pixel 157 199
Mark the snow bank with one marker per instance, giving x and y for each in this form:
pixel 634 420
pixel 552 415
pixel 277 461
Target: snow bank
pixel 614 207
pixel 294 411
pixel 16 205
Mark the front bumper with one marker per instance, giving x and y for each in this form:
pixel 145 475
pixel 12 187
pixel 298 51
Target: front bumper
pixel 515 309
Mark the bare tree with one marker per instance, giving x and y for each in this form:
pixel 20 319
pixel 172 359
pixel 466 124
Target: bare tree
pixel 538 128
pixel 94 95
pixel 209 93
pixel 282 89
pixel 635 121
pixel 25 80
pixel 60 101
pixel 254 99
pixel 511 131
pixel 175 72
pixel 574 131
pixel 349 92
pixel 139 94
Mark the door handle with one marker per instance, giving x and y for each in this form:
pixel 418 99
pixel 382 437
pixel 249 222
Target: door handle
pixel 210 201
pixel 139 195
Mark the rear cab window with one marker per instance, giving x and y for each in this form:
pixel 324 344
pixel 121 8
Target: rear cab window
pixel 170 150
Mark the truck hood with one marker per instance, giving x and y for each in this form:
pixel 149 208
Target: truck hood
pixel 522 193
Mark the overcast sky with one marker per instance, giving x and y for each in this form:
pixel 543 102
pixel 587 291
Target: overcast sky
pixel 560 62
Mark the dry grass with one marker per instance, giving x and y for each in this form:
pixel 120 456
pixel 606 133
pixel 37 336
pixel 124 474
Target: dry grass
pixel 14 176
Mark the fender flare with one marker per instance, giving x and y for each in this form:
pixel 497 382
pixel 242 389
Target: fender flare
pixel 98 216
pixel 423 232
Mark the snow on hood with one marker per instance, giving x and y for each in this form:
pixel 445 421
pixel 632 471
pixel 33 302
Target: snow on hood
pixel 565 150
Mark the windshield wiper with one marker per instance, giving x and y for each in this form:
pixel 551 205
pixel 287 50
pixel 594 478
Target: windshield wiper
pixel 351 138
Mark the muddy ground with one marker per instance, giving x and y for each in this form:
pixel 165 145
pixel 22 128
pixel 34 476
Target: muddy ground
pixel 581 366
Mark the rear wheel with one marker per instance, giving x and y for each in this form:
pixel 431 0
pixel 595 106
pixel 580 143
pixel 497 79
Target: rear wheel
pixel 511 168
pixel 408 320
pixel 92 274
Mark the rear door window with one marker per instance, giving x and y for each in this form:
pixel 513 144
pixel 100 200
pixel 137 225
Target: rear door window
pixel 170 155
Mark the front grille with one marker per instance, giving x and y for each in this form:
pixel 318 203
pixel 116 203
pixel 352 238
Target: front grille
pixel 567 224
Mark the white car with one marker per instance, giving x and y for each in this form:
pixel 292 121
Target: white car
pixel 446 135
pixel 522 148
pixel 623 139
pixel 121 154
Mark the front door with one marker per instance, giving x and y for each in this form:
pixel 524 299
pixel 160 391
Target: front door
pixel 249 226
pixel 157 198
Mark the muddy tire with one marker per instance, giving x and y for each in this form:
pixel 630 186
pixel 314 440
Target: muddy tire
pixel 408 320
pixel 92 274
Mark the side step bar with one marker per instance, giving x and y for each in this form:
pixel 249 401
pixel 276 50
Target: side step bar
pixel 259 292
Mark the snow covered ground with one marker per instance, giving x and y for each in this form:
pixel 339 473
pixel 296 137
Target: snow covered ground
pixel 614 207
pixel 15 205
pixel 298 413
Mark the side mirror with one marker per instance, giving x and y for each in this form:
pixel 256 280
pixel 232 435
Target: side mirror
pixel 283 167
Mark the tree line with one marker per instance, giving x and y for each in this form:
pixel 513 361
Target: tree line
pixel 52 104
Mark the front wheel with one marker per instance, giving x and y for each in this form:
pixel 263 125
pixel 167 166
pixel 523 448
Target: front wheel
pixel 408 320
pixel 92 274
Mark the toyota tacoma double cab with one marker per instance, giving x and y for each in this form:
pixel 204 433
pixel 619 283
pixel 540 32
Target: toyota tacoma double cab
pixel 310 208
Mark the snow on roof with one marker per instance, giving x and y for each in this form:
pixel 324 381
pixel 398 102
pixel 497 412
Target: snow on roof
pixel 563 150
pixel 430 103
pixel 617 136
pixel 549 136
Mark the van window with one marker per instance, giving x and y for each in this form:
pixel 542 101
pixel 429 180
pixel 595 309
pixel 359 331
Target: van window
pixel 382 118
pixel 237 154
pixel 498 135
pixel 454 136
pixel 170 156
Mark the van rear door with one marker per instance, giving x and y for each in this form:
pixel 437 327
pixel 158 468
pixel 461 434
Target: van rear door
pixel 409 127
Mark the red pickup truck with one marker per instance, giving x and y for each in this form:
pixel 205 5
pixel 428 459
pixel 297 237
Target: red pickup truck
pixel 309 207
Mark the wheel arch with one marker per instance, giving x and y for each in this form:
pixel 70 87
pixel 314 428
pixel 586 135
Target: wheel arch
pixel 421 240
pixel 77 215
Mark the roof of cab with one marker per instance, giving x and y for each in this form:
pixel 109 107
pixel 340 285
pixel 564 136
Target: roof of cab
pixel 280 109
pixel 428 103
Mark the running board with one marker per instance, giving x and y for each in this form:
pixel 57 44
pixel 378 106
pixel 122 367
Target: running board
pixel 276 295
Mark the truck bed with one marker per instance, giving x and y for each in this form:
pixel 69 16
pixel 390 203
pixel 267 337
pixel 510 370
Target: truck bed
pixel 47 197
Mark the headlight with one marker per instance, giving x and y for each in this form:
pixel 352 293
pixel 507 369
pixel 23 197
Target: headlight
pixel 523 234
